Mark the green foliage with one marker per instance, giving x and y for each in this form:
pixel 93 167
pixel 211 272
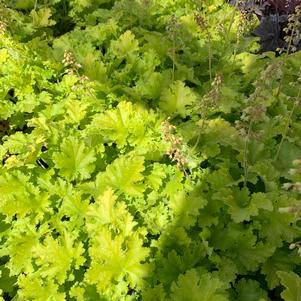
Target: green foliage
pixel 73 160
pixel 292 284
pixel 250 290
pixel 177 100
pixel 191 287
pixel 100 200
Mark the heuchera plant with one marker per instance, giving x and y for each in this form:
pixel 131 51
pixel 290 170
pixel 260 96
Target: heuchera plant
pixel 273 16
pixel 283 6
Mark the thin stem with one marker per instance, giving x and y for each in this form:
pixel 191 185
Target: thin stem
pixel 173 58
pixel 287 125
pixel 199 135
pixel 245 159
pixel 278 92
pixel 285 60
pixel 210 56
pixel 235 51
pixel 87 87
pixel 131 16
pixel 230 25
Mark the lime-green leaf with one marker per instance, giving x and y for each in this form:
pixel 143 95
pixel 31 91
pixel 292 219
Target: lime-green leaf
pixel 177 100
pixel 74 161
pixel 156 176
pixel 124 175
pixel 3 55
pixel 125 45
pixel 186 207
pixel 116 124
pixel 42 18
pixel 16 188
pixel 34 287
pixel 115 257
pixel 22 239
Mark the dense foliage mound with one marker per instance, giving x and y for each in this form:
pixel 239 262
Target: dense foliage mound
pixel 148 153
